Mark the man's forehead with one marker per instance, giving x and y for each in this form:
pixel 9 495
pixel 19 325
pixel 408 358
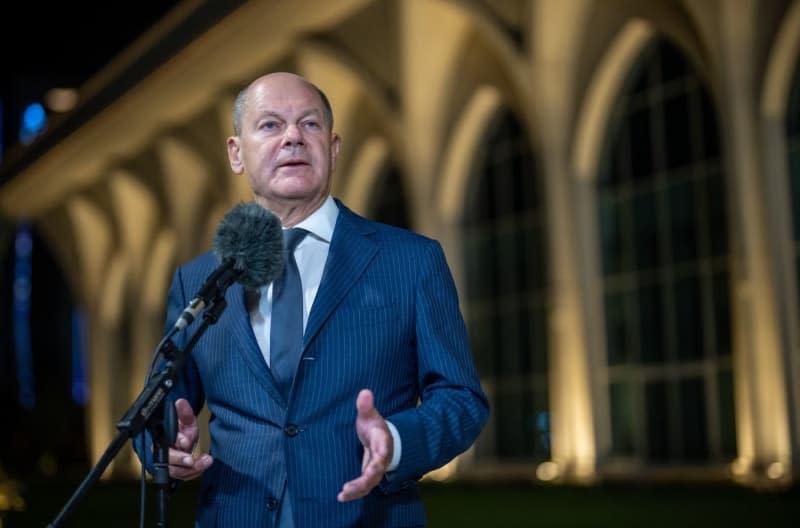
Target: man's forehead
pixel 284 96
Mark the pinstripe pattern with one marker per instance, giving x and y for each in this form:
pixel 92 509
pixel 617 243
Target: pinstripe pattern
pixel 386 318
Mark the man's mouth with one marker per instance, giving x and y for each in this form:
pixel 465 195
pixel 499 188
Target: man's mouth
pixel 293 163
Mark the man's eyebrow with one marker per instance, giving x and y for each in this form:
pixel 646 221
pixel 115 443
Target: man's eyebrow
pixel 269 113
pixel 272 113
pixel 310 111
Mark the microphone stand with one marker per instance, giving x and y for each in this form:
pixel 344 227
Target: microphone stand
pixel 148 411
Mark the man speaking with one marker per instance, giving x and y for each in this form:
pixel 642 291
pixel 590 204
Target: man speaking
pixel 335 387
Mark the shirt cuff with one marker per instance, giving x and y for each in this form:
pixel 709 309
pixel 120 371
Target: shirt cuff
pixel 398 447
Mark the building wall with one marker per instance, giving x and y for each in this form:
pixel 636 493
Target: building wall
pixel 415 85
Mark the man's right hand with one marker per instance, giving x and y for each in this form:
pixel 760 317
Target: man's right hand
pixel 183 465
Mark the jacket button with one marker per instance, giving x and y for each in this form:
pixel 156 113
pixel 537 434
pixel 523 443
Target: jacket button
pixel 291 430
pixel 272 503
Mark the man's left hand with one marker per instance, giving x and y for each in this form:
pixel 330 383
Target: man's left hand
pixel 378 445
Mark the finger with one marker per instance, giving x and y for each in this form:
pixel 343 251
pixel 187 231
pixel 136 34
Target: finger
pixel 185 467
pixel 372 474
pixel 178 457
pixel 186 459
pixel 357 488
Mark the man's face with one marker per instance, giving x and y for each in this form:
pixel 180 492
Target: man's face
pixel 285 144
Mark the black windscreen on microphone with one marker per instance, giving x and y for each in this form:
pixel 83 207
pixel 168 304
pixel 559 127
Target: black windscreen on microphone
pixel 250 236
pixel 249 246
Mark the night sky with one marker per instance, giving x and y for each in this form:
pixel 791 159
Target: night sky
pixel 46 45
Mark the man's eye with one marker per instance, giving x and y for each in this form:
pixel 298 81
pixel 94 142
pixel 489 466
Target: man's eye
pixel 270 125
pixel 310 124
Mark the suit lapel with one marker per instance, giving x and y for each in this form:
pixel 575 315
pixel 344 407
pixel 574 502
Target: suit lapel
pixel 349 254
pixel 240 327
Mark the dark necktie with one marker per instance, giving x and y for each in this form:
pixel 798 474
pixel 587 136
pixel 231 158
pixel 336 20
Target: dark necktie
pixel 286 329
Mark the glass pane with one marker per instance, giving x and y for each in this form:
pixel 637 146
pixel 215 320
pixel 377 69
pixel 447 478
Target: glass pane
pixel 688 319
pixel 472 252
pixel 727 414
pixel 538 329
pixel 710 127
pixel 540 419
pixel 677 135
pixel 506 260
pixel 693 420
pixel 645 221
pixel 390 200
pixel 682 222
pixel 613 165
pixel 641 144
pixel 514 359
pixel 481 334
pixel 673 64
pixel 531 241
pixel 722 314
pixel 611 235
pixel 717 216
pixel 523 338
pixel 622 418
pixel 651 325
pixel 481 268
pixel 513 409
pixel 526 189
pixel 657 422
pixel 503 190
pixel 616 329
pixel 643 74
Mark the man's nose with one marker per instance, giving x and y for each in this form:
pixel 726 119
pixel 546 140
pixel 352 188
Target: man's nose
pixel 293 135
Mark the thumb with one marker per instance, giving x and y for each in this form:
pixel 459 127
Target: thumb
pixel 365 404
pixel 188 431
pixel 186 417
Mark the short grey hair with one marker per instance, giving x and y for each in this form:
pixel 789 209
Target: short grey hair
pixel 240 105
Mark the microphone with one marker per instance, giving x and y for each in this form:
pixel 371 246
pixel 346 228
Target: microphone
pixel 249 245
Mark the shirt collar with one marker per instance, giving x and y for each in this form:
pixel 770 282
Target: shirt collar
pixel 322 221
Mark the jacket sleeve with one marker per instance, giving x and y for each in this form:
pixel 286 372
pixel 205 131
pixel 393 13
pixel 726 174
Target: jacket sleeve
pixel 453 408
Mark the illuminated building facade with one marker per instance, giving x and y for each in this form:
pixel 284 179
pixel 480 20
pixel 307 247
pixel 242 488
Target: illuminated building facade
pixel 616 184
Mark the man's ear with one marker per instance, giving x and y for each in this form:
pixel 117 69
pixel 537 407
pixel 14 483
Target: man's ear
pixel 235 155
pixel 336 142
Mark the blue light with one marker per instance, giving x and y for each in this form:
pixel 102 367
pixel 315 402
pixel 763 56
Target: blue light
pixel 34 119
pixel 22 317
pixel 80 382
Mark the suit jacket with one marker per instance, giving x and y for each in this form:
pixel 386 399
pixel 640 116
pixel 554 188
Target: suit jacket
pixel 386 318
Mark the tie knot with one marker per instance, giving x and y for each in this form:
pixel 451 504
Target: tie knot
pixel 292 237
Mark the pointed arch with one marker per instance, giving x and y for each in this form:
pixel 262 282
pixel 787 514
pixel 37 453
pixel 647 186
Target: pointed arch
pixel 504 279
pixel 664 259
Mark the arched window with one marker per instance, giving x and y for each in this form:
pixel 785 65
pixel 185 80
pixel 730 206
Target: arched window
pixel 663 228
pixel 505 299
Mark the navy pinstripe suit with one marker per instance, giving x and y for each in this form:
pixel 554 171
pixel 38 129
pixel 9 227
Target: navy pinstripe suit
pixel 386 318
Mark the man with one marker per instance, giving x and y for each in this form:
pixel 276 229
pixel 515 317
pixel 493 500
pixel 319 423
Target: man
pixel 383 345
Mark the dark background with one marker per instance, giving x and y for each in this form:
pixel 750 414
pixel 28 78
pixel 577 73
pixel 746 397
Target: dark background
pixel 46 45
pixel 62 44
